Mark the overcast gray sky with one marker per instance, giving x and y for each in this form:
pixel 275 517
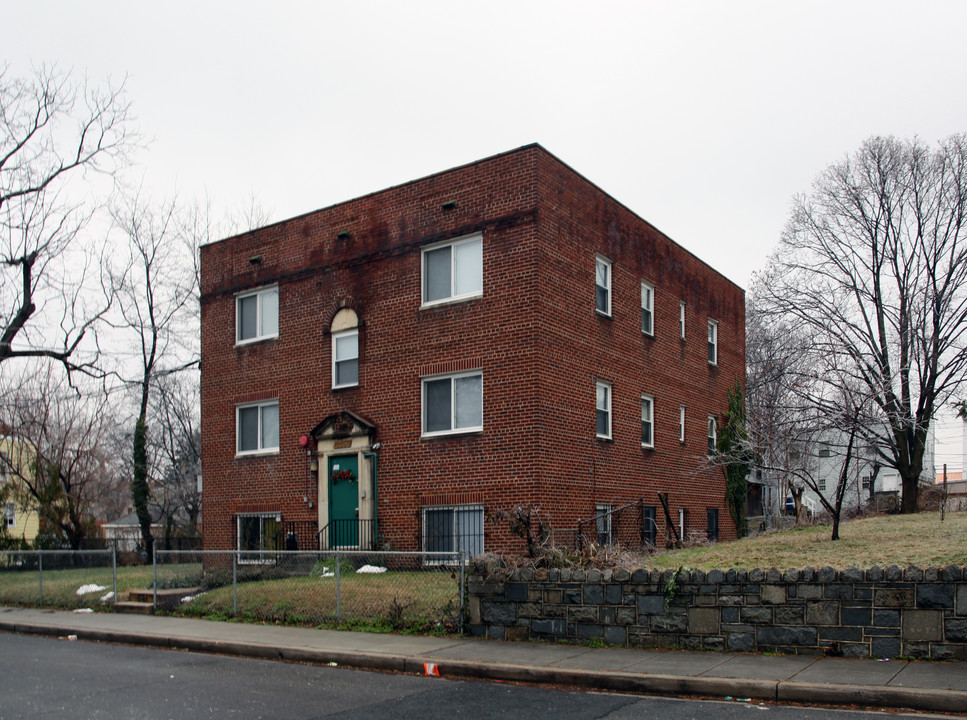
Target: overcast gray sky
pixel 705 118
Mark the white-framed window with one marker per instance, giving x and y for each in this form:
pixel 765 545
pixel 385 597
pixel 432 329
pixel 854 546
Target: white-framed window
pixel 453 270
pixel 10 515
pixel 603 410
pixel 258 535
pixel 602 285
pixel 821 484
pixel 865 482
pixel 257 315
pixel 713 342
pixel 681 424
pixel 602 523
pixel 682 522
pixel 824 451
pixel 712 435
pixel 257 427
pixel 452 528
pixel 647 308
pixel 681 319
pixel 647 421
pixel 345 358
pixel 453 403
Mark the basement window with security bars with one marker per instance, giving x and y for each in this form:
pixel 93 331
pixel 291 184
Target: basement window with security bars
pixel 449 529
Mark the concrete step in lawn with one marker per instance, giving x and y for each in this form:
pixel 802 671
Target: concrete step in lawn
pixel 142 601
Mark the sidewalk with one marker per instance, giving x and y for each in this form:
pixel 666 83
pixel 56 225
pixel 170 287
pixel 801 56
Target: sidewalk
pixel 929 686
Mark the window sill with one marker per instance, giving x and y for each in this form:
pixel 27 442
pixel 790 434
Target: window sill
pixel 647 447
pixel 452 433
pixel 602 314
pixel 604 438
pixel 649 335
pixel 345 387
pixel 255 341
pixel 256 453
pixel 450 301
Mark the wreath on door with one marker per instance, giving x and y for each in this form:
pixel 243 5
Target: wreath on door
pixel 338 475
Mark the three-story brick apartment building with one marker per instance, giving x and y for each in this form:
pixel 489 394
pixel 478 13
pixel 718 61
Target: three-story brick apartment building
pixel 391 370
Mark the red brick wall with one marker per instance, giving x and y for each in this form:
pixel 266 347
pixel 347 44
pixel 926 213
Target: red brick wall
pixel 533 333
pixel 577 223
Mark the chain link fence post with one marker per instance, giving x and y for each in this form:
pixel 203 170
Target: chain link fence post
pixel 154 577
pixel 463 556
pixel 40 568
pixel 114 567
pixel 338 598
pixel 235 583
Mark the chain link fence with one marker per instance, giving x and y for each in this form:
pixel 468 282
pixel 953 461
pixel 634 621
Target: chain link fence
pixel 378 590
pixel 382 590
pixel 60 578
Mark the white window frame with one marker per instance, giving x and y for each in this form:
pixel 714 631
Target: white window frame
pixel 649 401
pixel 428 558
pixel 606 386
pixel 603 262
pixel 648 309
pixel 10 515
pixel 453 296
pixel 260 450
pixel 336 336
pixel 681 424
pixel 259 294
pixel 453 430
pixel 713 342
pixel 682 521
pixel 681 319
pixel 262 555
pixel 821 484
pixel 713 434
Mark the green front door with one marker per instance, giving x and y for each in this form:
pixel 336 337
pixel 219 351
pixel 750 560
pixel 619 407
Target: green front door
pixel 343 501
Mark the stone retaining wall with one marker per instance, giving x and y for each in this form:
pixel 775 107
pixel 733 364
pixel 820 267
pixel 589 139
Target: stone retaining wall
pixel 874 613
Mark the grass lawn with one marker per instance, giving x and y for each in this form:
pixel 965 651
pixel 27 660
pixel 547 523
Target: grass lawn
pixel 392 600
pixel 22 587
pixel 885 540
pixel 417 601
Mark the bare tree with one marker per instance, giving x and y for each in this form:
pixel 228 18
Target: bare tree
pixel 157 297
pixel 808 418
pixel 175 417
pixel 873 264
pixel 53 130
pixel 776 364
pixel 65 435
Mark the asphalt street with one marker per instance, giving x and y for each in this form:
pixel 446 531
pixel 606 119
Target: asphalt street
pixel 43 677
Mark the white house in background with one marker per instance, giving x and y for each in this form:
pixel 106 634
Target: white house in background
pixel 768 498
pixel 127 532
pixel 862 473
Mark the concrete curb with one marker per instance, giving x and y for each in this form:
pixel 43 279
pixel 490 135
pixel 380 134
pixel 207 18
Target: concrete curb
pixel 891 696
pixel 887 696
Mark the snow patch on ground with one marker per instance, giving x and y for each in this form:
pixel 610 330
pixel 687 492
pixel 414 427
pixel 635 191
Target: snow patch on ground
pixel 87 589
pixel 108 597
pixel 371 569
pixel 83 610
pixel 189 598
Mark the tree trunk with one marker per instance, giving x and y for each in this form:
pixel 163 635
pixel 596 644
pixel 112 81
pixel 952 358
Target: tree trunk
pixel 911 495
pixel 140 492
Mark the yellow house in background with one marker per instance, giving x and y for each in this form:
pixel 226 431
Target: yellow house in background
pixel 21 520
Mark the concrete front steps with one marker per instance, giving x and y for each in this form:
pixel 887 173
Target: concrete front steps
pixel 141 602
